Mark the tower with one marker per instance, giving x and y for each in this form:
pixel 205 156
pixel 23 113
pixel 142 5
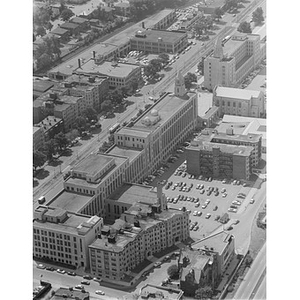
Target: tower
pixel 218 51
pixel 179 89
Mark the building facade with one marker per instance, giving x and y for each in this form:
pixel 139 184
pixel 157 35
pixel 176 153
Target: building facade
pixel 63 237
pixel 51 126
pixel 239 102
pixel 38 137
pixel 159 41
pixel 232 61
pixel 143 230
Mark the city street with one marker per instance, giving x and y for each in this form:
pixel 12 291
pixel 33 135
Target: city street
pixel 256 272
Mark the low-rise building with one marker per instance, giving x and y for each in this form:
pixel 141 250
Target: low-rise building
pixel 150 291
pixel 159 41
pixel 118 74
pixel 61 33
pixel 70 294
pixel 63 237
pixel 142 230
pixel 209 7
pixel 240 102
pixel 73 28
pixel 198 268
pixel 222 244
pixel 82 22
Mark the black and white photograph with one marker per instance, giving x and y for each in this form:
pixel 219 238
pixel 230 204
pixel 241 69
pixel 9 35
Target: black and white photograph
pixel 147 150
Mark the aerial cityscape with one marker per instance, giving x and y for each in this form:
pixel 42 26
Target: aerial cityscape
pixel 149 149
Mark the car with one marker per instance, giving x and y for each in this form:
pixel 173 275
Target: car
pixel 202 191
pixel 252 201
pixel 236 222
pixel 195 213
pixel 230 209
pixel 199 213
pixel 41 266
pixel 79 287
pixel 217 193
pixel 236 202
pixel 224 181
pixel 157 264
pixel 87 277
pixel 97 279
pixel 224 195
pixel 244 184
pixel 71 273
pixel 208 215
pixel 215 208
pixel 86 282
pixel 100 293
pixel 207 201
pixel 61 271
pixel 223 190
pixel 50 269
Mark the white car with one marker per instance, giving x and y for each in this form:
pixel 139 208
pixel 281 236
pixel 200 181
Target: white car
pixel 224 195
pixel 207 216
pixel 100 293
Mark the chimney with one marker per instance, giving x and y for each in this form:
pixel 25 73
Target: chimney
pixel 79 63
pixel 143 25
pixel 94 54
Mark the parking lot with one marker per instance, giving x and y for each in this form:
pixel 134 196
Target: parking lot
pixel 184 190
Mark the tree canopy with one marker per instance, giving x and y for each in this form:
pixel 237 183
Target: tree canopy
pixel 258 16
pixel 188 79
pixel 61 140
pixel 205 292
pixel 66 14
pixel 245 27
pixel 39 159
pixel 173 271
pixel 106 105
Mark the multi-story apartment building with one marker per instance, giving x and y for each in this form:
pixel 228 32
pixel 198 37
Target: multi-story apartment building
pixel 159 41
pixel 64 237
pixel 219 160
pixel 118 74
pixel 51 126
pixel 38 137
pixel 210 141
pixel 160 129
pixel 91 88
pixel 69 108
pixel 229 65
pixel 143 230
pixel 239 102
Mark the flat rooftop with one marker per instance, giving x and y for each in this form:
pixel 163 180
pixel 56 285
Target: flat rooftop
pixel 261 31
pixel 71 202
pixel 42 85
pixel 133 132
pixel 160 292
pixel 71 225
pixel 92 164
pixel 125 152
pixel 131 193
pixel 232 45
pixel 215 242
pixel 229 149
pixel 215 3
pixel 120 70
pixel 166 36
pixel 165 108
pixel 59 31
pixel 235 93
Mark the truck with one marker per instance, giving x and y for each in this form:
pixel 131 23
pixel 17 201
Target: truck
pixel 42 200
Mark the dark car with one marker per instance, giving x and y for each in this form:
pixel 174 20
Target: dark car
pixel 88 277
pixel 50 269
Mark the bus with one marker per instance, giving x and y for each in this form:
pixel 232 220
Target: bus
pixel 226 39
pixel 114 128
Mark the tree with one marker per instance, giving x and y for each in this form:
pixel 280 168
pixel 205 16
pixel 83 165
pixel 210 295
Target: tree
pixel 205 292
pixel 200 66
pixel 90 113
pixel 244 27
pixel 106 105
pixel 40 30
pixel 164 57
pixel 72 134
pixel 173 271
pixel 116 95
pixel 258 16
pixel 61 140
pixel 188 79
pixel 219 13
pixel 66 14
pixel 156 63
pixel 133 85
pixel 80 123
pixel 44 61
pixel 39 159
pixel 50 148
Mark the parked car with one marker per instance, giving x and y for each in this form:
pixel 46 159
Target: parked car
pixel 252 201
pixel 79 287
pixel 61 271
pixel 85 282
pixel 50 269
pixel 207 216
pixel 41 266
pixel 71 273
pixel 100 293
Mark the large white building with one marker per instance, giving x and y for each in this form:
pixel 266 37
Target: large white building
pixel 64 237
pixel 232 62
pixel 239 102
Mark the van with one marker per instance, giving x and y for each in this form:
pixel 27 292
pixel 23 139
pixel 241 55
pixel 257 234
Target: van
pixel 41 200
